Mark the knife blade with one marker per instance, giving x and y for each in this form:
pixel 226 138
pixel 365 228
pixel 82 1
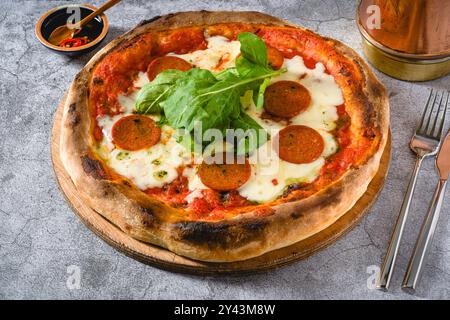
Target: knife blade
pixel 443 158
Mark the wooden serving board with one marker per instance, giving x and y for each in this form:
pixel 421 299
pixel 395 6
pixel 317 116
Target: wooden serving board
pixel 165 259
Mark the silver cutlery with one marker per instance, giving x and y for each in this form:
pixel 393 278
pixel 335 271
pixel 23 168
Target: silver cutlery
pixel 425 238
pixel 425 143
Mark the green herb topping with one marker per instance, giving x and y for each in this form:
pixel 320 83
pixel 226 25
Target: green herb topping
pixel 160 174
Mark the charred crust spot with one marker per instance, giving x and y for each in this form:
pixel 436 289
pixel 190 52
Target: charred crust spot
pixel 155 18
pixel 126 183
pixel 93 168
pixel 97 81
pixel 148 218
pixel 345 72
pixel 291 188
pixel 255 226
pixel 369 115
pixel 219 235
pixel 369 133
pixel 212 235
pixel 377 90
pixel 224 196
pixel 168 16
pixel 144 22
pixel 334 195
pixel 78 77
pixel 72 107
pixel 106 190
pixel 297 215
pixel 148 211
pixel 329 197
pixel 205 12
pixel 147 221
pixel 368 110
pixel 75 120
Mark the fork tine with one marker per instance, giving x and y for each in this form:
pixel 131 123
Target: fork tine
pixel 433 130
pixel 441 127
pixel 425 110
pixel 430 115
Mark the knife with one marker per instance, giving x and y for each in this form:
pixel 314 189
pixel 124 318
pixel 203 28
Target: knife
pixel 423 244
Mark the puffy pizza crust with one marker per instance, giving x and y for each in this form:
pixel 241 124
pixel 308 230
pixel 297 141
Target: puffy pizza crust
pixel 246 235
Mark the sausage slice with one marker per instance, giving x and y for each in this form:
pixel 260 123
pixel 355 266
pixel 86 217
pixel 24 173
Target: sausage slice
pixel 286 99
pixel 135 132
pixel 165 63
pixel 224 176
pixel 299 144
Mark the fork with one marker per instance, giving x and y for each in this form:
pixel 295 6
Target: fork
pixel 425 143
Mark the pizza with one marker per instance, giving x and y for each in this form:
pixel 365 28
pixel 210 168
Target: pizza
pixel 299 124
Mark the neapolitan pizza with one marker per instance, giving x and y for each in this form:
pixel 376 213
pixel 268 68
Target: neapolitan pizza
pixel 325 114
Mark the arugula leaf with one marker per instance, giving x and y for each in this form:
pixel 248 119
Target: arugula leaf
pixel 247 99
pixel 151 94
pixel 253 48
pixel 225 73
pixel 247 69
pixel 253 135
pixel 260 97
pixel 162 121
pixel 199 96
pixel 179 107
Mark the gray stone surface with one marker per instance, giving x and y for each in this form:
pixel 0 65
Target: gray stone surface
pixel 40 236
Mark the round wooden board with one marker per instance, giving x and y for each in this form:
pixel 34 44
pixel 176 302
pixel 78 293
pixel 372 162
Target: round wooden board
pixel 165 259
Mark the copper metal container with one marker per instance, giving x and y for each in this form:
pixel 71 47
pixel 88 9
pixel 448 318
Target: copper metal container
pixel 407 39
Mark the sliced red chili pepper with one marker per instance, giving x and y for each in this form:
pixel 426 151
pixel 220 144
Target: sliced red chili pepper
pixel 74 42
pixel 77 43
pixel 66 41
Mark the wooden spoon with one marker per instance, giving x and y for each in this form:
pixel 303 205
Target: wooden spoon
pixel 63 32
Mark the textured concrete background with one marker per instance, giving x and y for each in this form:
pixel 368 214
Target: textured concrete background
pixel 40 236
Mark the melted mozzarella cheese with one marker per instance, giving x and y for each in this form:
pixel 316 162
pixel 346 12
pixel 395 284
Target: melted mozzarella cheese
pixel 141 80
pixel 106 123
pixel 330 144
pixel 127 102
pixel 147 168
pixel 195 185
pixel 194 195
pixel 220 54
pixel 270 175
